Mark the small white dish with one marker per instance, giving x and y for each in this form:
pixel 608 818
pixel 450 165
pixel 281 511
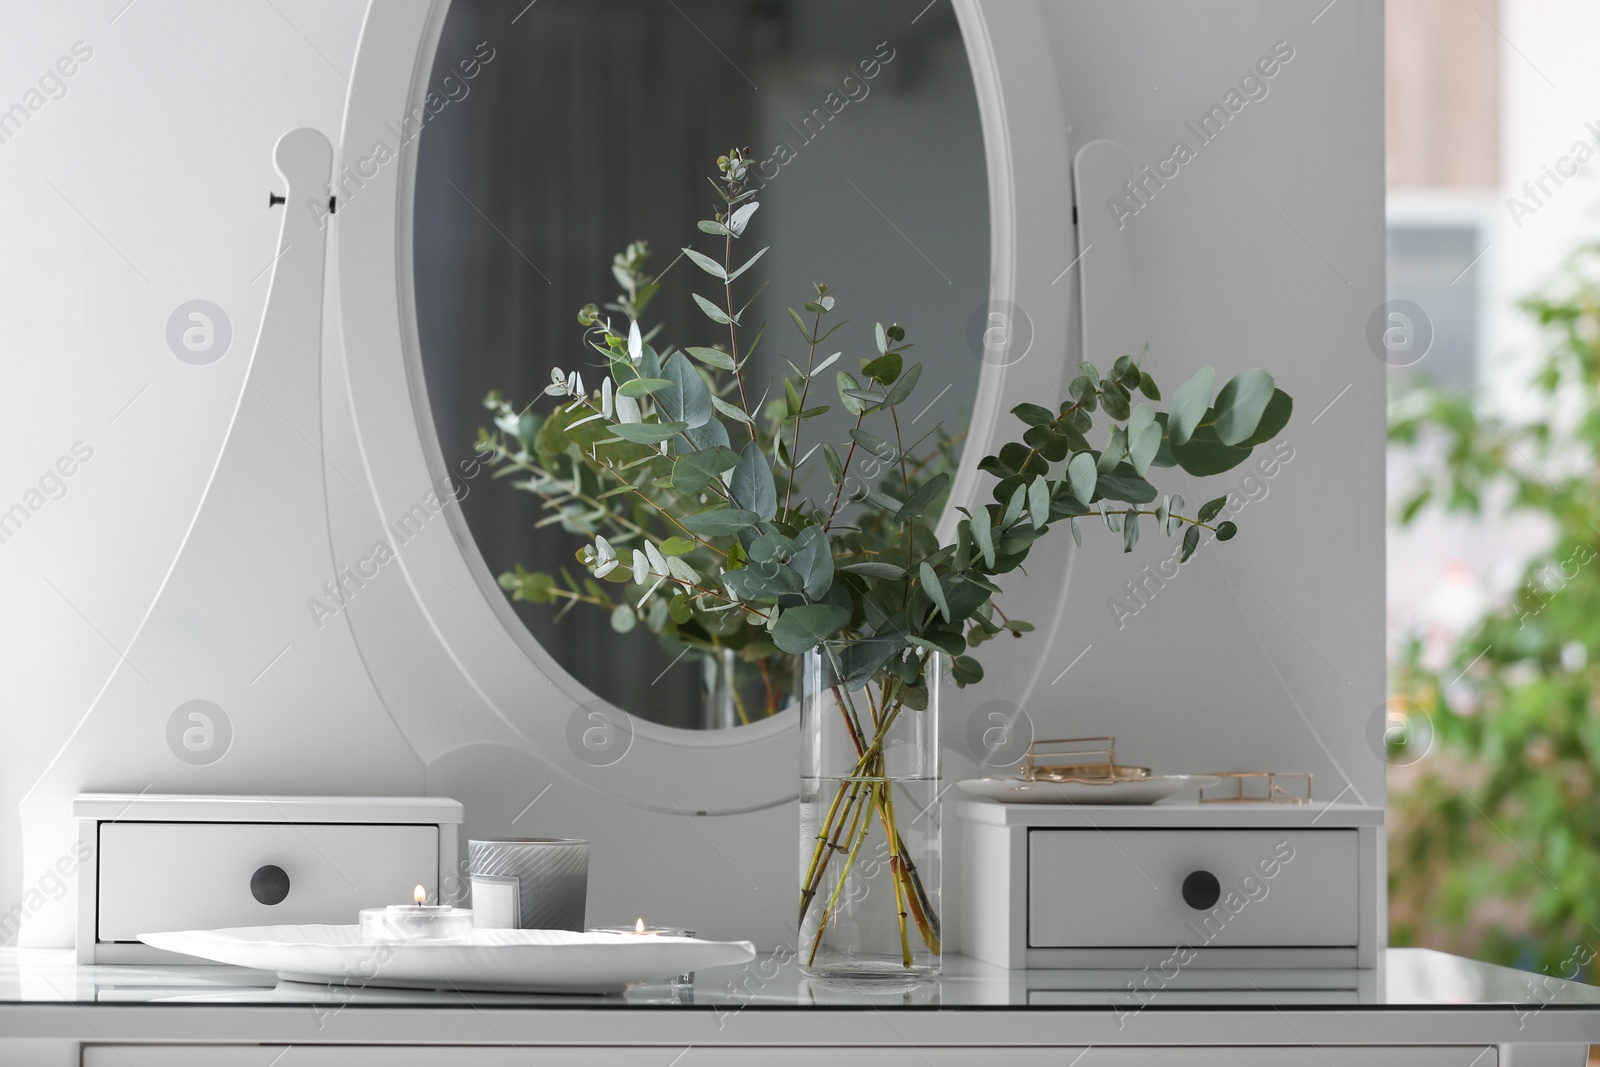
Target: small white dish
pixel 530 961
pixel 1084 790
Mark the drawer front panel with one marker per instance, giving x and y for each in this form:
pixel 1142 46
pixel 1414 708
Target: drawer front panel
pixel 191 876
pixel 1127 888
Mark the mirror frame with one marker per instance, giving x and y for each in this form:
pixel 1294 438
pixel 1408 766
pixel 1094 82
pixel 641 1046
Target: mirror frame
pixel 455 592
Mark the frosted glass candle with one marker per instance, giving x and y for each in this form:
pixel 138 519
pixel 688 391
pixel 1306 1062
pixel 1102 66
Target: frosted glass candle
pixel 416 923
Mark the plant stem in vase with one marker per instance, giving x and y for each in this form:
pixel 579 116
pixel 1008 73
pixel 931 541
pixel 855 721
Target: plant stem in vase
pixel 870 826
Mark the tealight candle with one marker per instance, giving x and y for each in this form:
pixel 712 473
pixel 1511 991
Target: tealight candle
pixel 639 929
pixel 416 922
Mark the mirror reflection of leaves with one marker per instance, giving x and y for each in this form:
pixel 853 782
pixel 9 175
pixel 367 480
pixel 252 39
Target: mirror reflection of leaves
pixel 681 474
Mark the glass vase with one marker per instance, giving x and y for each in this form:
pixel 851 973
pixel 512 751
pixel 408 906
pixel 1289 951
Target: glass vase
pixel 869 813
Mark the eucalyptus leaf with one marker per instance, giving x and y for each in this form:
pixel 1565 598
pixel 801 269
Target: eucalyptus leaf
pixel 1125 484
pixel 707 264
pixel 876 445
pixel 709 435
pixel 714 313
pixel 1114 399
pixel 1273 419
pixel 1039 501
pixel 1083 474
pixel 935 591
pixel 1203 454
pixel 1212 508
pixel 813 561
pixel 923 498
pixel 848 387
pixel 732 411
pixel 1191 540
pixel 720 522
pixel 824 365
pixel 866 399
pixel 800 629
pixel 1189 405
pixel 801 326
pixel 1240 405
pixel 1019 497
pixel 966 670
pixel 1033 414
pixel 902 388
pixel 1130 530
pixel 762 580
pixel 1142 448
pixel 637 387
pixel 887 571
pixel 686 400
pixel 712 357
pixel 747 265
pixel 1116 450
pixel 741 217
pixel 752 486
pixel 628 410
pixel 885 369
pixel 982 534
pixel 835 468
pixel 1142 416
pixel 649 433
pixel 693 471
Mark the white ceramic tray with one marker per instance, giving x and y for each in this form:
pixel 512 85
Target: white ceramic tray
pixel 1085 790
pixel 534 961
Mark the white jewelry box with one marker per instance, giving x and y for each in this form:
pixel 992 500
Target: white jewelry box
pixel 1172 885
pixel 166 862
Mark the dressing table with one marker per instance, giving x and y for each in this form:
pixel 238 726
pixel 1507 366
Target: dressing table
pixel 1417 1008
pixel 336 366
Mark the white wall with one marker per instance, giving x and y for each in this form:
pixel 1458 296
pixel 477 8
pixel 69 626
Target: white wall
pixel 143 187
pixel 1267 251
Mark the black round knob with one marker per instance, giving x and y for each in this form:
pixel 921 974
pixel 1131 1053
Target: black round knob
pixel 1201 890
pixel 270 884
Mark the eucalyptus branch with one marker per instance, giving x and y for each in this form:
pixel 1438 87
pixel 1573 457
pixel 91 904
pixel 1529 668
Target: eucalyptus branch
pixel 844 476
pixel 805 391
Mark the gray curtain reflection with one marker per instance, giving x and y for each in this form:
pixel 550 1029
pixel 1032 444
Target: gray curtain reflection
pixel 594 124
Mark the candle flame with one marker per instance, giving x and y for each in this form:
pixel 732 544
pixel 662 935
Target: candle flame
pixel 638 927
pixel 420 894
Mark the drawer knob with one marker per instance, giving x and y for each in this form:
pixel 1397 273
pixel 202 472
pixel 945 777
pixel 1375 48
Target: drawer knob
pixel 1201 890
pixel 270 885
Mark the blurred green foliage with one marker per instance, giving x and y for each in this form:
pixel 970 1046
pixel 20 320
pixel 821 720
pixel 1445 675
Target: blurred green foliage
pixel 1495 850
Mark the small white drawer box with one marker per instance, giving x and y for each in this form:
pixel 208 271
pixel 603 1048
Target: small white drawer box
pixel 200 862
pixel 1226 885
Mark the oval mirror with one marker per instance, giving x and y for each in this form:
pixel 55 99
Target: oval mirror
pixel 565 130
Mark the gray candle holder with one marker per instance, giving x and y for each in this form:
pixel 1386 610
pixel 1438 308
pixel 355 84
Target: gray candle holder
pixel 529 884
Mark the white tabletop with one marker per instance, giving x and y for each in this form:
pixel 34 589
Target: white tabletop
pixel 1415 996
